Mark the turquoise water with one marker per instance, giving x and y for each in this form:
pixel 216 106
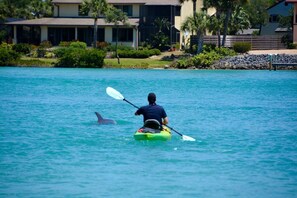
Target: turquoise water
pixel 245 123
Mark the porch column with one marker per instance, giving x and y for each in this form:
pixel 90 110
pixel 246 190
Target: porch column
pixel 108 34
pixel 44 33
pixel 15 40
pixel 75 34
pixel 135 37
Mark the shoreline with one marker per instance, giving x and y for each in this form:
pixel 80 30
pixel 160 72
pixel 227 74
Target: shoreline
pixel 253 60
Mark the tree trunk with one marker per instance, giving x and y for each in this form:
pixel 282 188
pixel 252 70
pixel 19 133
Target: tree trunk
pixel 117 55
pixel 219 38
pixel 200 42
pixel 95 33
pixel 226 25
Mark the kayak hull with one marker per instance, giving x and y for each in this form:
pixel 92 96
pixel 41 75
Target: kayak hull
pixel 164 135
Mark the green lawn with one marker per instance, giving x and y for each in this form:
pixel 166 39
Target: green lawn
pixel 135 63
pixel 36 62
pixel 108 63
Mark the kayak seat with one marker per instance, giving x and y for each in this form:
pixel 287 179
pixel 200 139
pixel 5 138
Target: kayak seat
pixel 152 123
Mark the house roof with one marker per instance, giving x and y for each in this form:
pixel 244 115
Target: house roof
pixel 146 2
pixel 69 22
pixel 291 1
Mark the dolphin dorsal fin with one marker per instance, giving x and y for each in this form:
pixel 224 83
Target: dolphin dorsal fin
pixel 98 116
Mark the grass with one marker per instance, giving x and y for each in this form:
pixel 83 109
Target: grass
pixel 36 62
pixel 108 63
pixel 135 63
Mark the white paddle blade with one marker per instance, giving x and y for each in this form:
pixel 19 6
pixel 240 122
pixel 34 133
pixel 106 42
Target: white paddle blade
pixel 114 93
pixel 188 138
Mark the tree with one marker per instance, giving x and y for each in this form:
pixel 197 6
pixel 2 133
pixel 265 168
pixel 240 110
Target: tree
pixel 159 39
pixel 257 12
pixel 216 25
pixel 226 7
pixel 198 24
pixel 96 8
pixel 239 21
pixel 116 16
pixel 40 8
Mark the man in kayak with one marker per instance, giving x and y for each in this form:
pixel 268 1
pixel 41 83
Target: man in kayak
pixel 153 111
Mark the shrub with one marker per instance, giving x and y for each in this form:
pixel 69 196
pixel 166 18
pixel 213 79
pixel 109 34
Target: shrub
pixel 209 47
pixel 78 44
pixel 145 53
pixel 22 48
pixel 120 47
pixel 64 44
pixel 102 45
pixel 206 59
pixel 184 63
pixel 6 45
pixel 8 57
pixel 292 46
pixel 76 57
pixel 225 51
pixel 45 44
pixel 92 58
pixel 41 51
pixel 242 47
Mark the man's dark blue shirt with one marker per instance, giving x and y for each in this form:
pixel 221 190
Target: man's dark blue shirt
pixel 152 111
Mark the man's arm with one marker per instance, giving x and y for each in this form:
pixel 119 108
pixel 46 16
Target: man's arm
pixel 165 120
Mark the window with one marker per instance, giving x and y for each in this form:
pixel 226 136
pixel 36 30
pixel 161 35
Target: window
pixel 125 34
pixel 274 18
pixel 80 13
pixel 125 8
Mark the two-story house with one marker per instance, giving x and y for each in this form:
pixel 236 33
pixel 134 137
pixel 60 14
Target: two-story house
pixel 69 23
pixel 275 12
pixel 294 2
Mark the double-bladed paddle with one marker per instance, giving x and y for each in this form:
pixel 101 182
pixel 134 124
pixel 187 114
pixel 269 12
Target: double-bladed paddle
pixel 118 96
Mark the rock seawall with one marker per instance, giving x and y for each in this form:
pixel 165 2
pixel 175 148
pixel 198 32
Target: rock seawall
pixel 255 62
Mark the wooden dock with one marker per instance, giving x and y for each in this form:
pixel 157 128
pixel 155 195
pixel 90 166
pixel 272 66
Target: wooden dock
pixel 273 65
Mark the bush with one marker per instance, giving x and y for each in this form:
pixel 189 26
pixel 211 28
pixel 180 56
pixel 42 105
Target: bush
pixel 6 45
pixel 184 63
pixel 41 51
pixel 64 44
pixel 76 57
pixel 45 44
pixel 92 58
pixel 102 45
pixel 78 44
pixel 111 48
pixel 206 59
pixel 145 53
pixel 208 47
pixel 242 47
pixel 22 48
pixel 8 57
pixel 292 46
pixel 225 51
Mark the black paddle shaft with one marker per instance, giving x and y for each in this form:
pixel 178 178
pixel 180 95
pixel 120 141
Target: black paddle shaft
pixel 131 103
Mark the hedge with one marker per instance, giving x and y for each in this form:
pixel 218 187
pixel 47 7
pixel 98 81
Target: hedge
pixel 8 57
pixel 76 57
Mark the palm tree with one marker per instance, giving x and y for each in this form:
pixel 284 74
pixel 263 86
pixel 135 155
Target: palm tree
pixel 226 7
pixel 116 16
pixel 239 20
pixel 198 24
pixel 162 23
pixel 216 25
pixel 96 8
